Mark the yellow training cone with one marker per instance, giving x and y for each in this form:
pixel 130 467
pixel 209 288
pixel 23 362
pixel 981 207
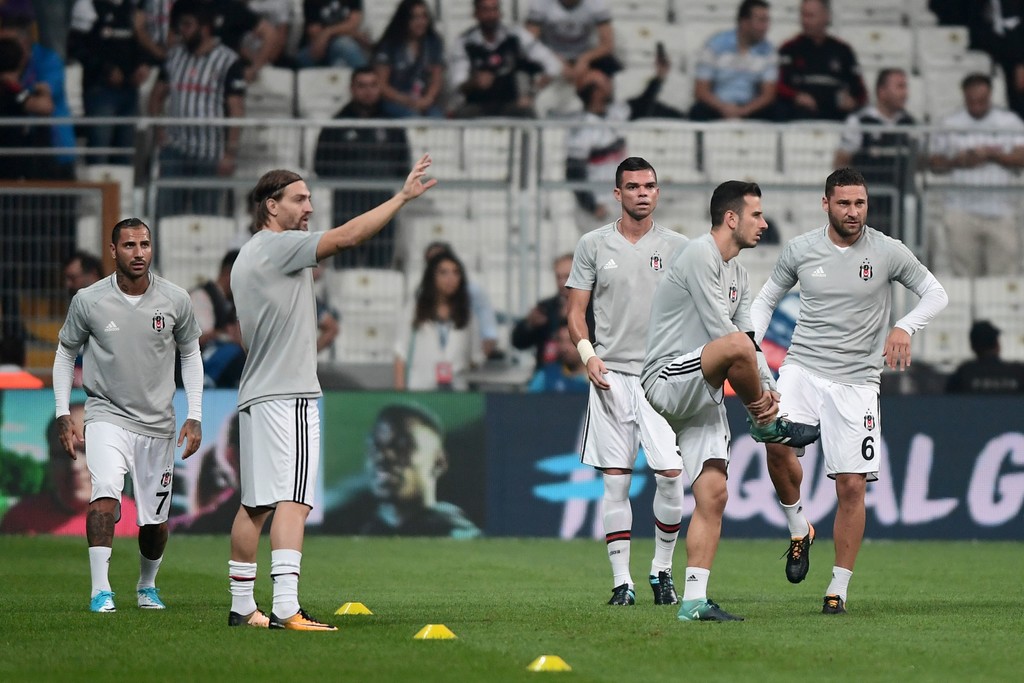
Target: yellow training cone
pixel 435 632
pixel 549 663
pixel 353 608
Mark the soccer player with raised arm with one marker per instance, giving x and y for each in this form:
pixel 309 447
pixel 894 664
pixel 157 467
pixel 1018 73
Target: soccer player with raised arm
pixel 279 420
pixel 129 326
pixel 619 265
pixel 700 335
pixel 832 371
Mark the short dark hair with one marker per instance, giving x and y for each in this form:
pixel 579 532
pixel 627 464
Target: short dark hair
pixel 201 11
pixel 984 336
pixel 633 164
pixel 976 78
pixel 361 71
pixel 884 74
pixel 89 263
pixel 133 222
pixel 729 196
pixel 747 8
pixel 843 177
pixel 270 186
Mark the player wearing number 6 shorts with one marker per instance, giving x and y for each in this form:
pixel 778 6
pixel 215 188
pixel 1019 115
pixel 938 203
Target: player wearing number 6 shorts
pixel 831 375
pixel 129 326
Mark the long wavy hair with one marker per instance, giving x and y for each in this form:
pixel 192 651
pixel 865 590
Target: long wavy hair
pixel 397 30
pixel 427 296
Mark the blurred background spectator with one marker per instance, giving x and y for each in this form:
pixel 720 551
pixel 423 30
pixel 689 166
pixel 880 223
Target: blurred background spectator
pixel 737 70
pixel 332 35
pixel 409 58
pixel 565 374
pixel 499 67
pixel 438 339
pixel 819 77
pixel 578 31
pixel 882 156
pixel 987 373
pixel 377 153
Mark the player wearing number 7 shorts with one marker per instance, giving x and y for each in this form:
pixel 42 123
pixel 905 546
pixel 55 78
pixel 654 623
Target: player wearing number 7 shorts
pixel 832 371
pixel 129 326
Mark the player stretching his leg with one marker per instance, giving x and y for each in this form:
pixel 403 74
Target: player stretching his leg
pixel 700 335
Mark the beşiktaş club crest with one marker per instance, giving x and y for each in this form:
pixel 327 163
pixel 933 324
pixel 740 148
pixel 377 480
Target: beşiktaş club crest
pixel 866 270
pixel 158 321
pixel 657 263
pixel 165 480
pixel 869 422
pixel 734 293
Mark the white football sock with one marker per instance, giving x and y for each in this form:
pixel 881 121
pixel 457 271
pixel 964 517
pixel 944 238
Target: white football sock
pixel 99 566
pixel 798 526
pixel 242 579
pixel 618 525
pixel 840 582
pixel 696 582
pixel 147 571
pixel 284 572
pixel 668 513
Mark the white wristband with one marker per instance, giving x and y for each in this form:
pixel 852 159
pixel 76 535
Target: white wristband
pixel 586 350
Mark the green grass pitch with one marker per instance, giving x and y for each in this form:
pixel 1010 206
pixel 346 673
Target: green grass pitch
pixel 919 611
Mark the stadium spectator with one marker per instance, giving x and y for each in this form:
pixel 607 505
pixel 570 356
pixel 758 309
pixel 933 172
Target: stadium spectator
pixel 997 27
pixel 245 32
pixel 479 301
pixel 327 318
pixel 579 32
pixel 17 101
pixel 819 77
pixel 409 59
pixel 45 66
pixel 129 378
pixel 80 270
pixel 51 18
pixel 153 29
pixel 538 329
pixel 62 507
pixel 983 153
pixel 491 62
pixel 332 35
pixel 596 147
pixel 102 38
pixel 201 79
pixel 883 157
pixel 565 374
pixel 277 17
pixel 397 496
pixel 221 340
pixel 737 70
pixel 379 153
pixel 988 373
pixel 438 340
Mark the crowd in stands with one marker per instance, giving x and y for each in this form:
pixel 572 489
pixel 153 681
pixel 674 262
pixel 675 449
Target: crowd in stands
pixel 196 59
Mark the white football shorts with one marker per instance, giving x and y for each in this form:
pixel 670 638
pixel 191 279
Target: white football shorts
pixel 849 415
pixel 694 410
pixel 618 421
pixel 112 451
pixel 280 452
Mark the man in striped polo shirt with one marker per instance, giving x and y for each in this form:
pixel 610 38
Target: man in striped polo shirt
pixel 201 79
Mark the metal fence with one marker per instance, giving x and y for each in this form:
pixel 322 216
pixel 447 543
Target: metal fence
pixel 508 207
